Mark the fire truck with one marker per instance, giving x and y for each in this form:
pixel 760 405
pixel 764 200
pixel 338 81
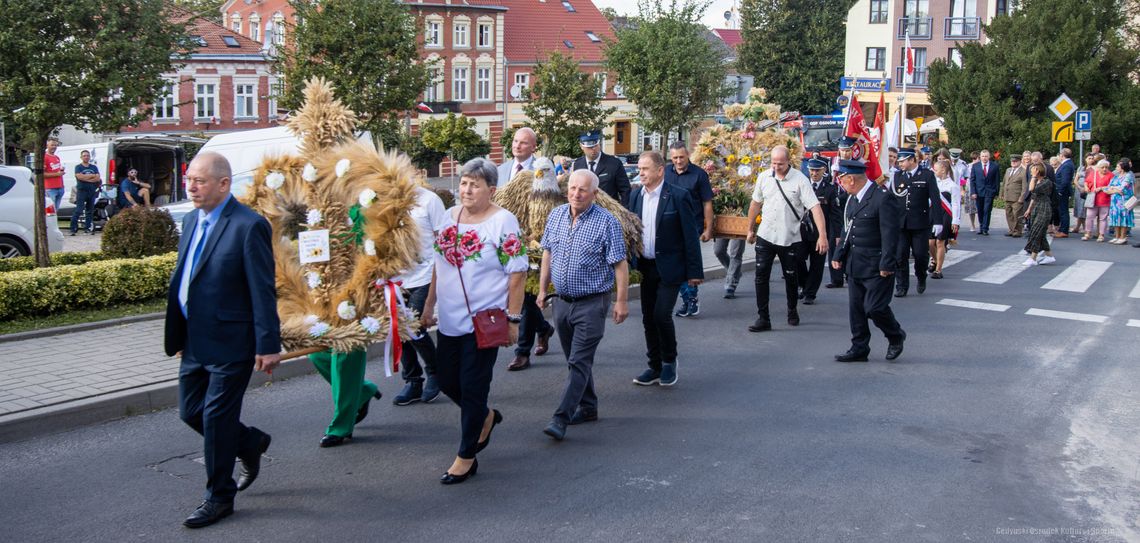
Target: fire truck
pixel 817 133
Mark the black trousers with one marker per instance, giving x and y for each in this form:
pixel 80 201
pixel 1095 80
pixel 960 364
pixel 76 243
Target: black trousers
pixel 915 242
pixel 871 299
pixel 422 345
pixel 832 254
pixel 464 373
pixel 766 254
pixel 210 398
pixel 809 267
pixel 533 323
pixel 657 301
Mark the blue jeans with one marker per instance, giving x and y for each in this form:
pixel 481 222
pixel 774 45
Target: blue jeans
pixel 85 194
pixel 689 293
pixel 56 196
pixel 410 368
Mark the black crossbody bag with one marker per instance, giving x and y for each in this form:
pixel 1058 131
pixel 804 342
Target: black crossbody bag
pixel 807 228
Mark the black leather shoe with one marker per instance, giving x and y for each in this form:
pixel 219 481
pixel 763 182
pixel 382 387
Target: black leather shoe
pixel 556 429
pixel 760 325
pixel 363 412
pixel 333 441
pixel 936 275
pixel 809 300
pixel 900 293
pixel 207 514
pixel 833 285
pixel 893 351
pixel 250 468
pixel 922 285
pixel 793 317
pixel 851 356
pixel 494 422
pixel 450 479
pixel 580 416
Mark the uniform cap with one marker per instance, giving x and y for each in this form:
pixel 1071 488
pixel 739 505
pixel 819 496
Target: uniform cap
pixel 852 167
pixel 591 138
pixel 846 142
pixel 816 164
pixel 906 152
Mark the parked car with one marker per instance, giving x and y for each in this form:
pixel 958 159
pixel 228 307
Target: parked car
pixel 17 220
pixel 178 211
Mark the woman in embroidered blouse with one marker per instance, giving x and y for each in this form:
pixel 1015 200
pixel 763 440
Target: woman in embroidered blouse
pixel 479 246
pixel 1121 188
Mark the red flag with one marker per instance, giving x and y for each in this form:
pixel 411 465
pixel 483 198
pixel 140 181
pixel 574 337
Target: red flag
pixel 855 123
pixel 877 132
pixel 909 56
pixel 869 139
pixel 424 108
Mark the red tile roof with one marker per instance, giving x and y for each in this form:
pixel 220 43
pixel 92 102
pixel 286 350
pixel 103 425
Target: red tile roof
pixel 535 28
pixel 730 36
pixel 213 33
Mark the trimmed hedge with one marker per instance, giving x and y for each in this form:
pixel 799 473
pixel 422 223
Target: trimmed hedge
pixel 58 259
pixel 94 284
pixel 140 231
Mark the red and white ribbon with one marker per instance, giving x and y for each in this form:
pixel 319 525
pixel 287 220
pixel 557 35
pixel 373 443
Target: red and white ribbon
pixel 394 347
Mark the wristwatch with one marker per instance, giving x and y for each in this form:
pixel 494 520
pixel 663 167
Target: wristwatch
pixel 514 318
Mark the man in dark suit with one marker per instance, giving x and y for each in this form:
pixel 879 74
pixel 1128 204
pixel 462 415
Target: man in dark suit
pixel 984 178
pixel 670 256
pixel 868 248
pixel 810 263
pixel 1063 183
pixel 221 318
pixel 610 170
pixel 917 190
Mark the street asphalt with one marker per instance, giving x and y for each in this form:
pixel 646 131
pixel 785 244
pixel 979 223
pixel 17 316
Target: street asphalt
pixel 992 426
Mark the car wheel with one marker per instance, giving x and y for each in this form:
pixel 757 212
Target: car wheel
pixel 11 247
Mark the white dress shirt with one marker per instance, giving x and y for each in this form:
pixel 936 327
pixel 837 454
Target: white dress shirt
pixel 779 225
pixel 649 201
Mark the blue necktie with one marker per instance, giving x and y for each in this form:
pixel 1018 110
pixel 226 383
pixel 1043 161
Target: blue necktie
pixel 184 290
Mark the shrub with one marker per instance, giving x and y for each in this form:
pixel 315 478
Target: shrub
pixel 57 259
pixel 62 288
pixel 140 231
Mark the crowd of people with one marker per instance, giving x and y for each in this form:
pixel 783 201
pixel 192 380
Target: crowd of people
pixel 130 191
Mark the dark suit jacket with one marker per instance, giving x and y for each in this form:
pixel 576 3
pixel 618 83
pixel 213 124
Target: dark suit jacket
pixel 1064 178
pixel 232 299
pixel 985 186
pixel 922 205
pixel 677 244
pixel 611 176
pixel 869 245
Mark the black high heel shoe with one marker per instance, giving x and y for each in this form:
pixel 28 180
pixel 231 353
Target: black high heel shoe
pixel 494 422
pixel 450 479
pixel 363 412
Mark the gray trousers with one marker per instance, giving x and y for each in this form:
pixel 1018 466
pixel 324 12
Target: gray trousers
pixel 580 327
pixel 730 253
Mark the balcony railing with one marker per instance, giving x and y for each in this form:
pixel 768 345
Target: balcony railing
pixel 963 28
pixel 916 79
pixel 918 27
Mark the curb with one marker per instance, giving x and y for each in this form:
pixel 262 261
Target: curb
pixel 81 327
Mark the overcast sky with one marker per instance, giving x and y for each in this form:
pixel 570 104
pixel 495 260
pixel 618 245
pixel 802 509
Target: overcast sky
pixel 714 17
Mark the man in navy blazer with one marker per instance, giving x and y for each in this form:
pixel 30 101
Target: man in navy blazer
pixel 1063 183
pixel 670 256
pixel 610 169
pixel 221 317
pixel 984 188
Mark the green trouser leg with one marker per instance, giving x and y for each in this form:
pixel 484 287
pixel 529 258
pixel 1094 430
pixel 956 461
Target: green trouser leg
pixel 345 373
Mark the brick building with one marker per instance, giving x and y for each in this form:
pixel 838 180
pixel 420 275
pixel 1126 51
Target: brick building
pixel 263 21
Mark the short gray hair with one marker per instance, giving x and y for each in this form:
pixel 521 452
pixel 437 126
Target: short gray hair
pixel 591 176
pixel 481 168
pixel 678 145
pixel 216 164
pixel 1104 163
pixel 528 130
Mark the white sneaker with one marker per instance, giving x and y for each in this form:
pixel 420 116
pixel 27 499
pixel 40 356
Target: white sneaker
pixel 1023 252
pixel 1029 262
pixel 1048 260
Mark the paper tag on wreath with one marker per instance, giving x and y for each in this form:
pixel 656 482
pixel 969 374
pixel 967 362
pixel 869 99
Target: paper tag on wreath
pixel 313 246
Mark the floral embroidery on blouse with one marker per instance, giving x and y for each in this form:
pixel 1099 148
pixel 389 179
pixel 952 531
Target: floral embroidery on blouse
pixel 509 247
pixel 457 249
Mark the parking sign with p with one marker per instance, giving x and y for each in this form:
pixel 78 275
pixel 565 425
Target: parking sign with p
pixel 1084 120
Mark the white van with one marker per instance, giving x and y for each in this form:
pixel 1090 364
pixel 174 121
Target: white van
pixel 160 160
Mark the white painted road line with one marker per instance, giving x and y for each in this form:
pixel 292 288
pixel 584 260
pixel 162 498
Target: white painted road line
pixel 1083 317
pixel 1134 323
pixel 1002 271
pixel 973 305
pixel 1079 276
pixel 955 256
pixel 1135 291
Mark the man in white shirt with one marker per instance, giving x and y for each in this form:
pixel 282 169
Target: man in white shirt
pixel 785 196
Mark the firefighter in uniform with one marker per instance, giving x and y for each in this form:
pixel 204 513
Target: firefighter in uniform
pixel 810 263
pixel 868 249
pixel 917 190
pixel 835 216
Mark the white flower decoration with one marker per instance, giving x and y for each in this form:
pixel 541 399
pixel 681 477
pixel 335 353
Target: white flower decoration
pixel 314 280
pixel 370 324
pixel 309 173
pixel 367 196
pixel 312 319
pixel 346 310
pixel 342 166
pixel 275 180
pixel 314 217
pixel 369 247
pixel 319 329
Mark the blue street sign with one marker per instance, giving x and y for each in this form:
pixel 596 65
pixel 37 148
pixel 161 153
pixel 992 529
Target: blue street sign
pixel 1084 120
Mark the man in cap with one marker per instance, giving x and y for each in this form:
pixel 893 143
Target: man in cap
pixel 846 151
pixel 1013 190
pixel 924 157
pixel 610 171
pixel 837 202
pixel 809 263
pixel 868 250
pixel 917 190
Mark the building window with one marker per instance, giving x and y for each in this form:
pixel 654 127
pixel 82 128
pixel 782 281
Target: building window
pixel 459 84
pixel 484 35
pixel 459 38
pixel 593 37
pixel 279 29
pixel 245 100
pixel 878 11
pixel 434 90
pixel 876 59
pixel 205 100
pixel 955 56
pixel 919 75
pixel 276 90
pixel 1006 7
pixel 568 6
pixel 255 28
pixel 601 77
pixel 432 34
pixel 164 108
pixel 236 23
pixel 483 84
pixel 522 80
pixel 619 90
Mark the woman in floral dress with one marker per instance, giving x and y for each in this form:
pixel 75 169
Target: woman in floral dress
pixel 1121 188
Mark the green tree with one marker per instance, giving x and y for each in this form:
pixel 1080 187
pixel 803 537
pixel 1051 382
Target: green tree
pixel 455 136
pixel 564 102
pixel 87 63
pixel 793 48
pixel 1000 95
pixel 367 50
pixel 206 9
pixel 667 66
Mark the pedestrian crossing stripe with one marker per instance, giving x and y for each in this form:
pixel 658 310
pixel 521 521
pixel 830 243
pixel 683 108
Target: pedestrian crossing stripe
pixel 1134 323
pixel 1078 276
pixel 974 305
pixel 1001 272
pixel 1135 291
pixel 956 256
pixel 1082 317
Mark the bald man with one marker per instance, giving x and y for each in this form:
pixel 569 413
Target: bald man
pixel 221 318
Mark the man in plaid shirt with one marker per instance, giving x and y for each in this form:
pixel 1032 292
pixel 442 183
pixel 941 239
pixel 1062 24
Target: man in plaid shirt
pixel 583 247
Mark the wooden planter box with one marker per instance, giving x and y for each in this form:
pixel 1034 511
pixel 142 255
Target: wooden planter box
pixel 729 226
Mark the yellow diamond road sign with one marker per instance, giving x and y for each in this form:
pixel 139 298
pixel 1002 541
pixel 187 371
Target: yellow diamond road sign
pixel 1063 132
pixel 1063 106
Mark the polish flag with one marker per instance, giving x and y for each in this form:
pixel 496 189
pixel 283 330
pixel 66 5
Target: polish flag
pixel 909 56
pixel 424 108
